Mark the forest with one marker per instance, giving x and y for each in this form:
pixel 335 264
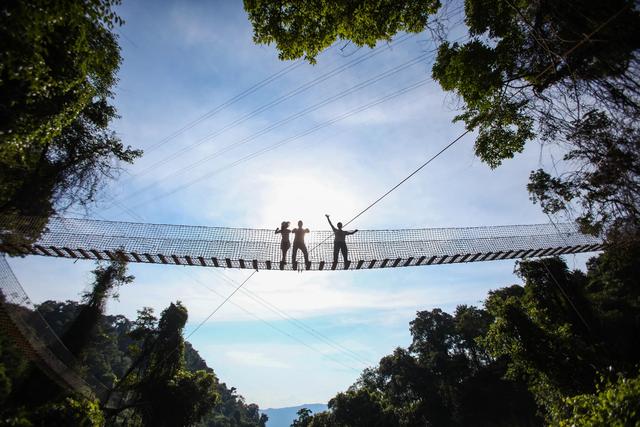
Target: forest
pixel 561 348
pixel 140 361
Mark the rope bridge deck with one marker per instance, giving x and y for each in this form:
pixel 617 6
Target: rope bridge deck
pixel 260 248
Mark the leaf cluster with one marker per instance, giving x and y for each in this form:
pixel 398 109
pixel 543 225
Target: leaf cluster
pixel 304 29
pixel 157 377
pixel 55 58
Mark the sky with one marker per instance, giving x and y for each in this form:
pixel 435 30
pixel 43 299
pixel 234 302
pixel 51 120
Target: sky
pixel 235 137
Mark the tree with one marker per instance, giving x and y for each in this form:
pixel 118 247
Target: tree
pixel 444 378
pixel 563 329
pixel 58 63
pixel 540 62
pixel 12 366
pixel 304 29
pixel 166 393
pixel 605 181
pixel 107 280
pixel 614 404
pixel 525 61
pixel 116 344
pixel 360 407
pixel 70 411
pixel 304 418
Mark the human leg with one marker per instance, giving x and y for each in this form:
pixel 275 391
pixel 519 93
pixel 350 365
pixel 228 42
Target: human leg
pixel 344 251
pixel 285 248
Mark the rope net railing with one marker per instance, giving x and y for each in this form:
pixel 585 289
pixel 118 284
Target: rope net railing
pixel 33 335
pixel 260 248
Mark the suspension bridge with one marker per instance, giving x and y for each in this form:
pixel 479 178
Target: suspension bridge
pixel 259 249
pixel 239 248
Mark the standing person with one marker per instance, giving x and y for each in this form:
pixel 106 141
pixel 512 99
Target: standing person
pixel 339 243
pixel 285 244
pixel 298 243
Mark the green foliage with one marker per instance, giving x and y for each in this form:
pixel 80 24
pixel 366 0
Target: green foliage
pixel 12 367
pixel 360 407
pixel 444 378
pixel 472 72
pixel 58 63
pixel 531 62
pixel 533 351
pixel 56 58
pixel 563 329
pixel 180 399
pixel 84 326
pixel 165 393
pixel 232 410
pixel 615 404
pixel 304 418
pixel 70 411
pixel 193 394
pixel 322 419
pixel 304 29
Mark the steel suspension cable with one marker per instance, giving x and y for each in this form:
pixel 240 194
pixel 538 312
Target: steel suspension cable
pixel 300 89
pixel 225 104
pixel 288 119
pixel 285 316
pixel 296 322
pixel 285 141
pixel 405 179
pixel 408 177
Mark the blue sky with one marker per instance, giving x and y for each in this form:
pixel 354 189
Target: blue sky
pixel 183 59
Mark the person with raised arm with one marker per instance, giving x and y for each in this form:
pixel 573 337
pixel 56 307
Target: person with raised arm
pixel 285 244
pixel 339 242
pixel 298 243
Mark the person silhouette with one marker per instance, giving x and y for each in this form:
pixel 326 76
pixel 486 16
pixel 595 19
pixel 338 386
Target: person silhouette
pixel 285 244
pixel 339 243
pixel 298 243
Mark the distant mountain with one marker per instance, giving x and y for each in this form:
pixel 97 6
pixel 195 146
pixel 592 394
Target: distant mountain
pixel 283 417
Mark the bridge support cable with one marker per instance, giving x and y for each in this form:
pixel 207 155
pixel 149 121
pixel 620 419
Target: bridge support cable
pixel 259 249
pixel 32 334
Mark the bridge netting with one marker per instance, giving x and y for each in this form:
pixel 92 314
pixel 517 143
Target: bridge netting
pixel 36 339
pixel 260 248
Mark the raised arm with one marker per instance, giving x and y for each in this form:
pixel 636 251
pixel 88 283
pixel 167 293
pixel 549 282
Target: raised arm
pixel 352 232
pixel 277 231
pixel 331 224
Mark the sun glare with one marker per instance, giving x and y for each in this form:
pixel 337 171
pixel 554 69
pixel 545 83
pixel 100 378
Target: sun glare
pixel 307 197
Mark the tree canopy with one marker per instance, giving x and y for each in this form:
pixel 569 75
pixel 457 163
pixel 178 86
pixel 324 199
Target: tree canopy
pixel 58 65
pixel 304 29
pixel 55 58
